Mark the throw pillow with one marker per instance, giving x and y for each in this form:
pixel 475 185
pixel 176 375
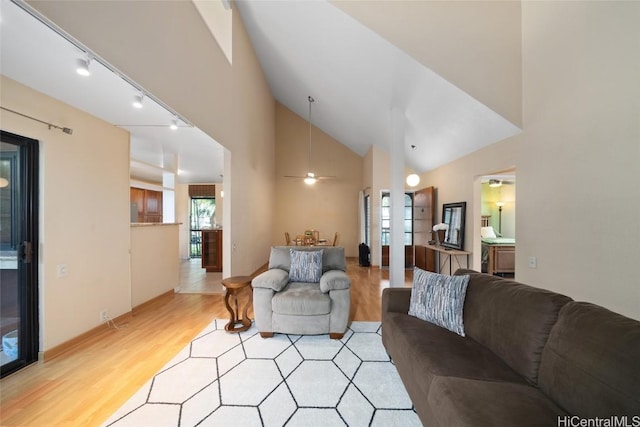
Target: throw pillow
pixel 306 266
pixel 487 232
pixel 439 299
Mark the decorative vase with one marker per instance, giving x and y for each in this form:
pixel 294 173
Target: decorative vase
pixel 440 236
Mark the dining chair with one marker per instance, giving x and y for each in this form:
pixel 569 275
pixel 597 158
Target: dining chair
pixel 309 239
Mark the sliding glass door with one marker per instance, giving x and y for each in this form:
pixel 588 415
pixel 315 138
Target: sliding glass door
pixel 18 252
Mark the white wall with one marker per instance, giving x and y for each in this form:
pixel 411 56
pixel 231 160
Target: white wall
pixel 84 212
pixel 577 159
pixel 182 218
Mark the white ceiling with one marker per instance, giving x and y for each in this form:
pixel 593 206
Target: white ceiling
pixel 34 55
pixel 357 77
pixel 305 48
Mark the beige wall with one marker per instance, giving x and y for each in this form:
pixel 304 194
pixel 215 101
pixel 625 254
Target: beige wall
pixel 84 212
pixel 184 67
pixel 328 206
pixel 577 159
pixel 155 263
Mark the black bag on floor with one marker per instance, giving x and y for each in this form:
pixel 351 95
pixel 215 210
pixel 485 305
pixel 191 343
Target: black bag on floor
pixel 364 255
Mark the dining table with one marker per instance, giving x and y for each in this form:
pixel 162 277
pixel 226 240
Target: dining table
pixel 310 238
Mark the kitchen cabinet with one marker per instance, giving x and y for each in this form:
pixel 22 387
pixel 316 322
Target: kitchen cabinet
pixel 148 204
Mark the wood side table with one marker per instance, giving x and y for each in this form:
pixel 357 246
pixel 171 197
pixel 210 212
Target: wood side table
pixel 233 285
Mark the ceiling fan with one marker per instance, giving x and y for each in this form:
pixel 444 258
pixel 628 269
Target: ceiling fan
pixel 310 178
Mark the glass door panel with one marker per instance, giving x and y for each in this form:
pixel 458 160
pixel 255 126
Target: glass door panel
pixel 18 261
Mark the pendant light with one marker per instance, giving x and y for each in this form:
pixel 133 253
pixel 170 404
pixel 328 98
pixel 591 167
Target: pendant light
pixel 310 179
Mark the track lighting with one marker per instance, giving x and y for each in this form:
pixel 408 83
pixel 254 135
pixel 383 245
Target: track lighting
pixel 83 67
pixel 137 101
pixel 174 124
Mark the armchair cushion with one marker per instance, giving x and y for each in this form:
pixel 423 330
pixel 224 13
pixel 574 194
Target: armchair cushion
pixel 332 257
pixel 334 280
pixel 306 266
pixel 275 279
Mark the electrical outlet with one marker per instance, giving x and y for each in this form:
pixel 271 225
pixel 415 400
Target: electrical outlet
pixel 104 316
pixel 533 262
pixel 63 270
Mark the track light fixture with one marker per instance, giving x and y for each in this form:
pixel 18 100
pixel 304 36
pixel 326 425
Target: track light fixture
pixel 82 67
pixel 137 101
pixel 174 124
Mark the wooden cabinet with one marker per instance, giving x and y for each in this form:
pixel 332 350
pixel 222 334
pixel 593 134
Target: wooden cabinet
pixel 502 259
pixel 212 250
pixel 425 258
pixel 148 203
pixel 424 213
pixel 408 256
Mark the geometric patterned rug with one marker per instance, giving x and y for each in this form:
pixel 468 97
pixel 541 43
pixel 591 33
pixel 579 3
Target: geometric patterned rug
pixel 223 379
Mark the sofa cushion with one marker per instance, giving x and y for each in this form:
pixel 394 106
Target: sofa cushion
pixel 591 363
pixel 428 351
pixel 511 319
pixel 333 258
pixel 306 266
pixel 301 299
pixel 439 299
pixel 477 403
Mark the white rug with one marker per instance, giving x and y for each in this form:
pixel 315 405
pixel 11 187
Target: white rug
pixel 223 379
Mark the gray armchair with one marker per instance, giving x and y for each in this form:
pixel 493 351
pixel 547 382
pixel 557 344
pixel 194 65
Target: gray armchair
pixel 306 307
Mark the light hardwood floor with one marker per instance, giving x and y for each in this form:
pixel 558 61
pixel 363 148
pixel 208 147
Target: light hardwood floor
pixel 84 386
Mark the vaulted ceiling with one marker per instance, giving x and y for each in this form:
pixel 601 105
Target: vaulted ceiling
pixel 454 68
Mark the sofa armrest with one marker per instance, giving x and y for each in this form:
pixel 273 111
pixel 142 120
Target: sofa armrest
pixel 275 279
pixel 334 280
pixel 396 300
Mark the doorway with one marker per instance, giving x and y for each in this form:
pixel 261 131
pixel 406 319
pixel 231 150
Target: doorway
pixel 385 229
pixel 202 213
pixel 18 252
pixel 498 223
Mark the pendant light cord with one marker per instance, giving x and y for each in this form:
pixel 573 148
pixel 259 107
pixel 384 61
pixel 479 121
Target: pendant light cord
pixel 311 100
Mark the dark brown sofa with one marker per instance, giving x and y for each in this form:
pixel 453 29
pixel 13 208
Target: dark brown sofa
pixel 530 357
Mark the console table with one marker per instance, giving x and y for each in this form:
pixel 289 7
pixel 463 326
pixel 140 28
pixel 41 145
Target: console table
pixel 450 255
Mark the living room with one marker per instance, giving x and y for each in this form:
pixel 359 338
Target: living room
pixel 577 156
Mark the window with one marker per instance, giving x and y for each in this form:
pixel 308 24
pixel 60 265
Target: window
pixel 385 219
pixel 201 216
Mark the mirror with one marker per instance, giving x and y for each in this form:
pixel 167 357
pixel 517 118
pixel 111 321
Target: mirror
pixel 453 214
